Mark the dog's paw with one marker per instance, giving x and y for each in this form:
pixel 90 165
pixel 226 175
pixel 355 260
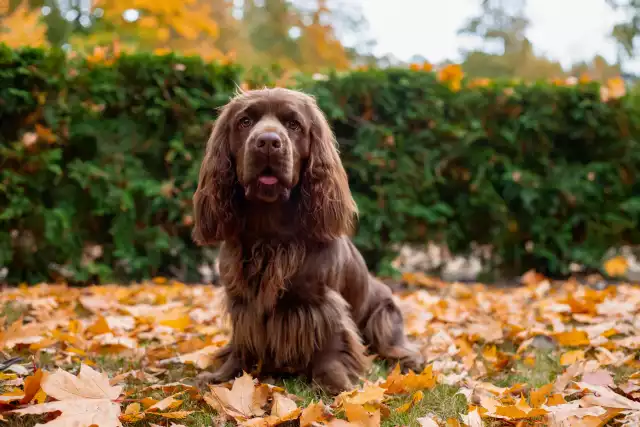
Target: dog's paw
pixel 203 379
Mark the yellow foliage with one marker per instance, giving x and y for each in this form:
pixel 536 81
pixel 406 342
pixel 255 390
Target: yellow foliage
pixel 163 23
pixel 451 74
pixel 616 266
pixel 23 27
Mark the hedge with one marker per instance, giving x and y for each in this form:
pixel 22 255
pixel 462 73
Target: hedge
pixel 99 162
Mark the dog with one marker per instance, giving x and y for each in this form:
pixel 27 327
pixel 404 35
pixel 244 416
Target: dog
pixel 273 191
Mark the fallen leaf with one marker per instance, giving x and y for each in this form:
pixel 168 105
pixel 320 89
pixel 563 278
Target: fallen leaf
pixel 574 338
pixel 415 398
pixel 132 413
pixel 32 386
pixel 571 357
pixel 397 383
pixel 599 377
pixel 358 414
pixel 616 266
pixel 607 398
pixel 427 422
pixel 238 402
pixel 282 405
pixel 314 413
pixel 169 402
pixel 89 384
pixel 173 415
pixel 77 412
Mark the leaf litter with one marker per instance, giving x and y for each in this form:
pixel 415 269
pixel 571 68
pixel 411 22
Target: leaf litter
pixel 127 355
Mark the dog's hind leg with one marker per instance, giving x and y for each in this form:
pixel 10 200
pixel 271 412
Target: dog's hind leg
pixel 383 331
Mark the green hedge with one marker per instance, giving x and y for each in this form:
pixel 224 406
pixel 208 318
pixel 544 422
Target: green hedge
pixel 99 163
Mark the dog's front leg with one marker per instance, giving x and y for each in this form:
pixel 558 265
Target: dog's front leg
pixel 228 370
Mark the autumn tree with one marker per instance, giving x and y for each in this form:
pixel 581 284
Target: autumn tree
pixel 21 25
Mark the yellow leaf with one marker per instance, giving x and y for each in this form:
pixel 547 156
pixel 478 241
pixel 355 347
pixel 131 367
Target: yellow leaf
pixel 616 266
pixel 148 402
pixel 358 414
pixel 11 396
pixel 181 323
pixel 555 400
pixel 616 87
pixel 132 413
pixel 538 397
pixel 40 397
pixel 417 397
pixel 169 402
pixel 178 415
pixel 314 413
pixel 99 327
pixel 574 338
pixel 397 383
pixel 570 357
pixel 370 393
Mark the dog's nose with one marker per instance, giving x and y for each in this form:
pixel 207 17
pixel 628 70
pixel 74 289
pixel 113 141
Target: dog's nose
pixel 269 141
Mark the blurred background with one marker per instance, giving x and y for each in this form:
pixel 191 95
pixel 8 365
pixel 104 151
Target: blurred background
pixel 482 138
pixel 491 38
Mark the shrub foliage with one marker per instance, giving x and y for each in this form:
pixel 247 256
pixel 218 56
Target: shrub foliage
pixel 99 160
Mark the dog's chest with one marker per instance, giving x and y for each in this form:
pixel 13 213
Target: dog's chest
pixel 285 338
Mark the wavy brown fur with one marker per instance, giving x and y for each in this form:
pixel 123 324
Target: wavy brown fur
pixel 299 294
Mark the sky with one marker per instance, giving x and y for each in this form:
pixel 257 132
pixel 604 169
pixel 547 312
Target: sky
pixel 428 28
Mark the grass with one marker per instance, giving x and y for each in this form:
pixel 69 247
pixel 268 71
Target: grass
pixel 545 369
pixel 11 312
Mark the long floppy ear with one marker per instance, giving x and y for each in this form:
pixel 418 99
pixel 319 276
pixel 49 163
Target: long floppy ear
pixel 216 211
pixel 328 209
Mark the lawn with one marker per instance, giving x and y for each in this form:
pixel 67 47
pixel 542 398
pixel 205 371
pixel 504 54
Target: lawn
pixel 545 353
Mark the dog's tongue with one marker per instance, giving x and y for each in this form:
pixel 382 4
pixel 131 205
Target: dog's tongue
pixel 268 179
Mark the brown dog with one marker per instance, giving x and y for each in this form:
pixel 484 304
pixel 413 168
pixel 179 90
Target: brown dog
pixel 273 190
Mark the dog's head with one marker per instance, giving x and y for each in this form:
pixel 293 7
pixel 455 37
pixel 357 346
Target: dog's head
pixel 272 146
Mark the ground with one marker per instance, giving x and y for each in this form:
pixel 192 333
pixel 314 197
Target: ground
pixel 538 353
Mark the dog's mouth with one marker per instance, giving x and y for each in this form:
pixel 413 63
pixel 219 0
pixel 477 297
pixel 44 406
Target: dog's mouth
pixel 267 187
pixel 268 177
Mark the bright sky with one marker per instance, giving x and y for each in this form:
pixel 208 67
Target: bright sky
pixel 565 30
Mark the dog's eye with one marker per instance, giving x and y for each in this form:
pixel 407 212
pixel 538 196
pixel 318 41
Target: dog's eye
pixel 245 122
pixel 294 125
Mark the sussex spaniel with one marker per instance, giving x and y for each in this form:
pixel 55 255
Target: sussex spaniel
pixel 273 190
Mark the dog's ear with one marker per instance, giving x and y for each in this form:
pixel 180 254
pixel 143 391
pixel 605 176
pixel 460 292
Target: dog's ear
pixel 327 208
pixel 216 210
